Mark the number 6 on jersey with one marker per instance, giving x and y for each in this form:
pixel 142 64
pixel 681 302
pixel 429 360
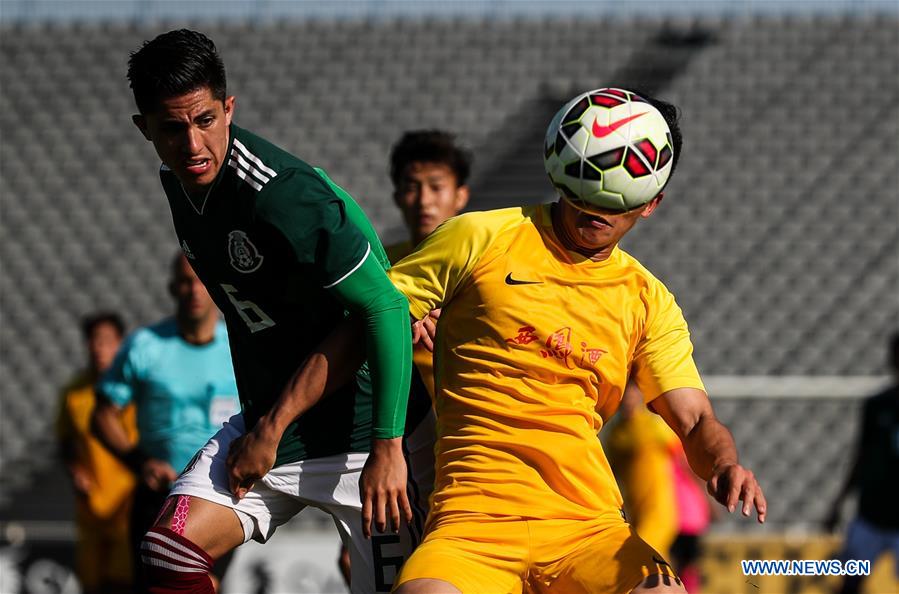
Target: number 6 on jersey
pixel 262 320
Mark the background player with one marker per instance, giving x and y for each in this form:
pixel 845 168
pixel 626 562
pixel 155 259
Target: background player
pixel 284 252
pixel 638 446
pixel 875 530
pixel 103 485
pixel 178 373
pixel 544 319
pixel 665 501
pixel 429 171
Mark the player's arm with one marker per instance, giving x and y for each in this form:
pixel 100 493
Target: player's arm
pixel 114 391
pixel 107 426
pixel 316 224
pixel 710 449
pixel 378 328
pixel 665 372
pixel 384 314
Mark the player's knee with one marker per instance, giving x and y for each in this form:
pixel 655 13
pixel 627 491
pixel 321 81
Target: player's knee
pixel 173 564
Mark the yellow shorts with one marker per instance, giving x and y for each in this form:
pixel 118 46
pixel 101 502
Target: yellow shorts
pixel 103 555
pixel 481 554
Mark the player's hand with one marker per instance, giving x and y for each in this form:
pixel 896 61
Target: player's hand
pixel 731 483
pixel 425 329
pixel 81 480
pixel 382 487
pixel 250 457
pixel 157 474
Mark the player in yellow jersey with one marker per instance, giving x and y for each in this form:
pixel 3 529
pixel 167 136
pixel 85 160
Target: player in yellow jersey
pixel 429 171
pixel 544 321
pixel 639 447
pixel 103 485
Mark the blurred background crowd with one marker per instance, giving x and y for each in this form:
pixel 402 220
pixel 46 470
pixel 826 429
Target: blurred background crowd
pixel 780 238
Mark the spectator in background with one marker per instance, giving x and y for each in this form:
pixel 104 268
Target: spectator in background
pixel 103 486
pixel 875 530
pixel 639 445
pixel 429 171
pixel 665 501
pixel 694 514
pixel 178 373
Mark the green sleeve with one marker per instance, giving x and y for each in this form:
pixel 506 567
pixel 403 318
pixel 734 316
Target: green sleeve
pixel 369 294
pixel 357 217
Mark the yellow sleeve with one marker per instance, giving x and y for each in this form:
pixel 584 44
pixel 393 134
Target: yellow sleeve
pixel 663 359
pixel 431 275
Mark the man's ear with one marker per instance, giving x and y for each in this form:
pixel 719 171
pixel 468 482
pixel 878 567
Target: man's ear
pixel 141 123
pixel 229 109
pixel 652 205
pixel 462 196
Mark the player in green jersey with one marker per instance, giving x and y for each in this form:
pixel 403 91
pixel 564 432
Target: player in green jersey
pixel 284 253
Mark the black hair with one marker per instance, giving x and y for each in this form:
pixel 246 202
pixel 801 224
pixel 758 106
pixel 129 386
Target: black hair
pixel 92 321
pixel 429 146
pixel 173 64
pixel 672 117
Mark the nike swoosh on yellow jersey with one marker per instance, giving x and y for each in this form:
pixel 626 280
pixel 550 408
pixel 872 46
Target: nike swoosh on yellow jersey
pixel 512 281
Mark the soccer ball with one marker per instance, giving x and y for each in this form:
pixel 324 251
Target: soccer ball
pixel 608 148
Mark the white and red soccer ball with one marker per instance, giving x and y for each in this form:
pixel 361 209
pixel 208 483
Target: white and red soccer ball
pixel 609 148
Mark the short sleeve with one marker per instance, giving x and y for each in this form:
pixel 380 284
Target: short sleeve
pixel 117 385
pixel 314 221
pixel 663 359
pixel 431 275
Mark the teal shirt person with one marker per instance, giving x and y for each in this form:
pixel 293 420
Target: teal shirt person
pixel 183 392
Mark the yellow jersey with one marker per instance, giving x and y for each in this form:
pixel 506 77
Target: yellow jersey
pixel 534 348
pixel 421 357
pixel 641 452
pixel 113 482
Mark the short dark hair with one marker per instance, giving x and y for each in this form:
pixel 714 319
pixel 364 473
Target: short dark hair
pixel 429 146
pixel 173 64
pixel 92 321
pixel 672 117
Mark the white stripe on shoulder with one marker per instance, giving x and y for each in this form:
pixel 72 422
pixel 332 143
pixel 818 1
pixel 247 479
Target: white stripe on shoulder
pixel 243 175
pixel 251 157
pixel 164 167
pixel 249 168
pixel 354 269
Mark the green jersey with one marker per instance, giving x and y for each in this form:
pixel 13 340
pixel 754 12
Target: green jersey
pixel 277 245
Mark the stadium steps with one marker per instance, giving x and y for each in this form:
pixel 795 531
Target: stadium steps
pixel 779 236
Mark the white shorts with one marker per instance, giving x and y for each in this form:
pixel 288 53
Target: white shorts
pixel 330 484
